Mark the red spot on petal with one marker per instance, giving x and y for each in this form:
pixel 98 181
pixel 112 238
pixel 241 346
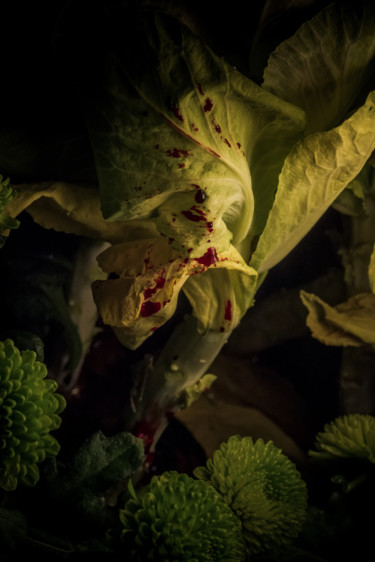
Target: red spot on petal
pixel 200 89
pixel 209 258
pixel 228 311
pixel 159 284
pixel 194 214
pixel 148 308
pixel 181 165
pixel 238 144
pixel 192 217
pixel 227 142
pixel 213 152
pixel 217 127
pixel 209 226
pixel 208 105
pixel 178 153
pixel 176 110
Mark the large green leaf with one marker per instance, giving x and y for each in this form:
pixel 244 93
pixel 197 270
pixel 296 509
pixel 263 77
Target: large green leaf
pixel 184 140
pixel 180 135
pixel 325 65
pixel 314 173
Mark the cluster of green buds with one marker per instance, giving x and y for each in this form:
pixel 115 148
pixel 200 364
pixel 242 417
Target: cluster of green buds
pixel 249 500
pixel 264 489
pixel 179 518
pixel 350 436
pixel 29 409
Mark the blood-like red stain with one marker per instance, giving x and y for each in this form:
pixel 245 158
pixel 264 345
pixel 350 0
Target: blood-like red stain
pixel 178 153
pixel 148 308
pixel 213 152
pixel 200 89
pixel 208 105
pixel 216 125
pixel 159 284
pixel 144 431
pixel 209 226
pixel 200 196
pixel 209 258
pixel 228 311
pixel 192 217
pixel 176 110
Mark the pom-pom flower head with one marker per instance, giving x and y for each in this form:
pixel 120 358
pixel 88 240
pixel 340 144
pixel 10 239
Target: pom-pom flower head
pixel 29 410
pixel 180 518
pixel 263 488
pixel 351 436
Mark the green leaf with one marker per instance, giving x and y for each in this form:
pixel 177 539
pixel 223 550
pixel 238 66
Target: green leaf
pixel 175 123
pixel 192 393
pixel 58 205
pixel 371 271
pixel 99 464
pixel 221 296
pixel 348 324
pixel 183 140
pixel 102 461
pixel 315 172
pixel 326 63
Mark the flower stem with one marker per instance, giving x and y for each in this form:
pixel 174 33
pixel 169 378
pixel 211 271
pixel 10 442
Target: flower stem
pixel 166 384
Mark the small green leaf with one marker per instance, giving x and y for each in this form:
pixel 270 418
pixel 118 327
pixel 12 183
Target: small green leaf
pixel 371 271
pixel 101 461
pixel 348 324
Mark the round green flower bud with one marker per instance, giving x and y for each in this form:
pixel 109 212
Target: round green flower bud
pixel 347 436
pixel 263 488
pixel 180 518
pixel 29 410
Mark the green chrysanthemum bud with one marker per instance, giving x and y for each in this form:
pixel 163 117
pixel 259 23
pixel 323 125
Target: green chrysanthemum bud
pixel 29 410
pixel 7 193
pixel 180 518
pixel 347 437
pixel 263 488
